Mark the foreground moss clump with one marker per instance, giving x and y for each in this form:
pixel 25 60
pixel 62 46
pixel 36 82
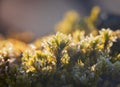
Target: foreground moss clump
pixel 65 62
pixel 70 58
pixel 61 61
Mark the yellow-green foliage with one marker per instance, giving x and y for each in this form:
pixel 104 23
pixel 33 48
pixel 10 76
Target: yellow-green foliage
pixel 62 61
pixel 73 57
pixel 72 22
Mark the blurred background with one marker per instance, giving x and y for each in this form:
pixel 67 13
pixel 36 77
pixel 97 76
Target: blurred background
pixel 40 16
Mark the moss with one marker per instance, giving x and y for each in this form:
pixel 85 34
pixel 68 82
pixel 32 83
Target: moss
pixel 67 59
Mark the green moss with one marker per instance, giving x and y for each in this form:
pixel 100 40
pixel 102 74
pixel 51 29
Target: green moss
pixel 72 59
